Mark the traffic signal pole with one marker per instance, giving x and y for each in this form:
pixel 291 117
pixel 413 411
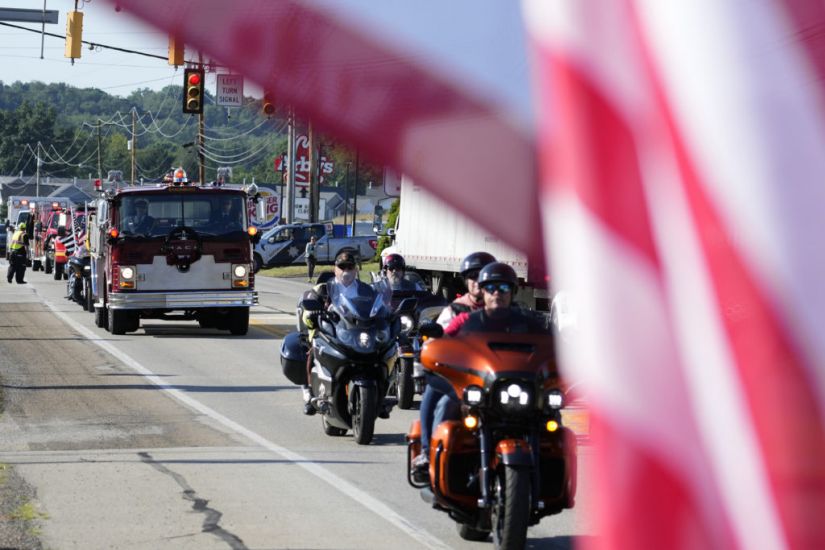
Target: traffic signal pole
pixel 134 146
pixel 201 159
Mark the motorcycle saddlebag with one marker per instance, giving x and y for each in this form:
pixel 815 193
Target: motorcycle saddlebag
pixel 294 358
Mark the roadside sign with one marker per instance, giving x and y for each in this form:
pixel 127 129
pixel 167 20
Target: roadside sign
pixel 392 183
pixel 230 90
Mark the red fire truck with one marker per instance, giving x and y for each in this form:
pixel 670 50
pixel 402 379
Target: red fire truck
pixel 172 251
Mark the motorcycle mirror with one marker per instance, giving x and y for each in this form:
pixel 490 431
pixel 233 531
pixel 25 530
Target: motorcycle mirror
pixel 311 304
pixel 407 305
pixel 431 330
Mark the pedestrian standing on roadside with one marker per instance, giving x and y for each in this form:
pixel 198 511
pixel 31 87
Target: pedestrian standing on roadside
pixel 309 254
pixel 18 255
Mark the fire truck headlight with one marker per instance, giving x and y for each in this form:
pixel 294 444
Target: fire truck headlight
pixel 240 276
pixel 128 276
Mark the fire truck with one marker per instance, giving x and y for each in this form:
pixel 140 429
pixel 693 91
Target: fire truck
pixel 172 251
pixel 34 212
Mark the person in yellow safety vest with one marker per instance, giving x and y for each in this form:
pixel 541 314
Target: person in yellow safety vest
pixel 18 255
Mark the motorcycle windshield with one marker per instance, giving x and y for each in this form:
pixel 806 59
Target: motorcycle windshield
pixel 371 301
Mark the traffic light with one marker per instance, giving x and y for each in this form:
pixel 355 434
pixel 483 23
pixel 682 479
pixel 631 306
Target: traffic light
pixel 74 34
pixel 175 51
pixel 193 80
pixel 267 106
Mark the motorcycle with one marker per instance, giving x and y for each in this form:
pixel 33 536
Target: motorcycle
pixel 79 283
pixel 407 375
pixel 352 352
pixel 509 461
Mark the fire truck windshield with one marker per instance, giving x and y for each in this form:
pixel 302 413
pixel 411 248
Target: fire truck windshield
pixel 211 215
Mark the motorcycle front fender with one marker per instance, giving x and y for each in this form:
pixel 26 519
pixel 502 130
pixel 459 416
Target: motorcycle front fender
pixel 514 452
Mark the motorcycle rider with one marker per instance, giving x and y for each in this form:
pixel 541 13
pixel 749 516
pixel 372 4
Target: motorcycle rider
pixel 499 284
pixel 394 269
pixel 473 299
pixel 346 274
pixel 438 398
pixel 18 255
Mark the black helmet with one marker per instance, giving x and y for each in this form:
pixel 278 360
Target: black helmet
pixel 497 272
pixel 474 262
pixel 394 261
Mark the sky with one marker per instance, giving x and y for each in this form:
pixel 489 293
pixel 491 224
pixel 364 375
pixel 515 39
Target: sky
pixel 114 72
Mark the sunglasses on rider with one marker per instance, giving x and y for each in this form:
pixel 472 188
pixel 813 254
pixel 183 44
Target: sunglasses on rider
pixel 345 266
pixel 503 288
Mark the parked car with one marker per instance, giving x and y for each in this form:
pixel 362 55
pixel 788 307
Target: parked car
pixel 285 245
pixel 3 238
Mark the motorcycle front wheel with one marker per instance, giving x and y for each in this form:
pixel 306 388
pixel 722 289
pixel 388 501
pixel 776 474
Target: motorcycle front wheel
pixel 364 413
pixel 511 507
pixel 405 388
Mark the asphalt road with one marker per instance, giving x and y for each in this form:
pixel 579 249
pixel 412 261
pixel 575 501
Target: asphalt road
pixel 181 437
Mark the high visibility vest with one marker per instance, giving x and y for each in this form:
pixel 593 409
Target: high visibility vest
pixel 17 241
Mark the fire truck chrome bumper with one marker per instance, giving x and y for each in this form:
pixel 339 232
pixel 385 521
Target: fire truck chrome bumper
pixel 181 300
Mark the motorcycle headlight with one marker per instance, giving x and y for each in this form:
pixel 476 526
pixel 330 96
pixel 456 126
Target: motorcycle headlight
pixel 554 399
pixel 383 335
pixel 514 396
pixel 407 324
pixel 364 340
pixel 473 395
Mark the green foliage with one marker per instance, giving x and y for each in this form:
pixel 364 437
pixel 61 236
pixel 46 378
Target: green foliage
pixel 385 241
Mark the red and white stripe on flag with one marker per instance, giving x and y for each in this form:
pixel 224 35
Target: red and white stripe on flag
pixel 682 160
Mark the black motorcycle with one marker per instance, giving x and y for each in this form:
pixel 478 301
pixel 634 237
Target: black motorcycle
pixel 407 375
pixel 79 282
pixel 353 351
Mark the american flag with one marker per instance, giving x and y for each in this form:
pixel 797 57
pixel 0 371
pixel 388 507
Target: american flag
pixel 76 232
pixel 680 147
pixel 682 155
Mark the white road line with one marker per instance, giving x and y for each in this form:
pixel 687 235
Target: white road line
pixel 368 501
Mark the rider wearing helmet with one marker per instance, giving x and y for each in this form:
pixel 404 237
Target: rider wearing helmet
pixel 394 269
pixel 498 284
pixel 439 400
pixel 18 255
pixel 470 268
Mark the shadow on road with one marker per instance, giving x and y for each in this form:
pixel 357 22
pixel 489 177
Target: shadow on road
pixel 557 543
pixel 186 388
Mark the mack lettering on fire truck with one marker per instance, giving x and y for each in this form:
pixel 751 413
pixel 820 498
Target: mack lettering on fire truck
pixel 173 251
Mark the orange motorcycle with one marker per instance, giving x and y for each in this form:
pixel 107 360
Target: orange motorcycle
pixel 508 461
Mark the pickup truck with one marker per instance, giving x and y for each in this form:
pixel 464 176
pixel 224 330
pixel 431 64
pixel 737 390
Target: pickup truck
pixel 285 245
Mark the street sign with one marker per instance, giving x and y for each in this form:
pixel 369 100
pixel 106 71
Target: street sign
pixel 230 90
pixel 392 183
pixel 28 16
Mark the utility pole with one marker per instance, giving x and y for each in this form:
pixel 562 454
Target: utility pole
pixel 134 146
pixel 201 160
pixel 355 195
pixel 290 186
pixel 314 164
pixel 99 164
pixel 37 177
pixel 346 194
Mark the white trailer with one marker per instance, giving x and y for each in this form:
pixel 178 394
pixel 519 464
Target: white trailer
pixel 434 238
